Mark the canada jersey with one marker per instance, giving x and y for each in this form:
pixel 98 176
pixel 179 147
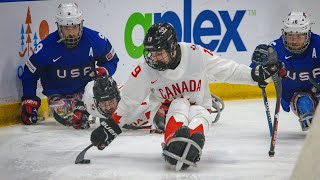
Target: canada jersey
pixel 299 68
pixel 189 79
pixel 63 70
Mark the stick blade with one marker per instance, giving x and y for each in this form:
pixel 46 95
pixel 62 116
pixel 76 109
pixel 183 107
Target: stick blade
pixel 80 158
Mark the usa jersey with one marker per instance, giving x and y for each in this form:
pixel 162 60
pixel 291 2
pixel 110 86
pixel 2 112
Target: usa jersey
pixel 65 71
pixel 299 68
pixel 189 79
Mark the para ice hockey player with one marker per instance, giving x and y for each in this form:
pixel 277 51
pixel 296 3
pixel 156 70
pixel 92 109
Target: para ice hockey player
pixel 62 61
pixel 298 48
pixel 178 73
pixel 100 100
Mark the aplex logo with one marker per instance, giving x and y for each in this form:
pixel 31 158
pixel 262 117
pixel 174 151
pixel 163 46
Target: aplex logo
pixel 187 31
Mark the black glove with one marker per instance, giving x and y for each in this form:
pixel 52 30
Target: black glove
pixel 267 64
pixel 80 116
pixel 264 54
pixel 261 73
pixel 105 133
pixel 29 110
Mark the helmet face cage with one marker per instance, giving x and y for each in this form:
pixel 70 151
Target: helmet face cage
pixel 108 106
pixel 69 16
pixel 296 33
pixel 106 95
pixel 160 44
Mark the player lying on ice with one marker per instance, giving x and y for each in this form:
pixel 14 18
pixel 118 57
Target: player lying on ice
pixel 100 99
pixel 178 73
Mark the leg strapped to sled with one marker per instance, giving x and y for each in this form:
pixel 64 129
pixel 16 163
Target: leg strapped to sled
pixel 182 160
pixel 61 108
pixel 305 121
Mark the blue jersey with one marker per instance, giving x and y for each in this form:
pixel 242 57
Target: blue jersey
pixel 63 70
pixel 299 68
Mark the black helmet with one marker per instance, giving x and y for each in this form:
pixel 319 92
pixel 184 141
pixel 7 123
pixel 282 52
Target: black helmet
pixel 105 89
pixel 160 36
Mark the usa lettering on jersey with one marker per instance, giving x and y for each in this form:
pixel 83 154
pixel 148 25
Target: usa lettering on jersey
pixel 73 73
pixel 303 76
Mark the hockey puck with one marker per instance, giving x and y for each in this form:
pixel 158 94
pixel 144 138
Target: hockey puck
pixel 85 161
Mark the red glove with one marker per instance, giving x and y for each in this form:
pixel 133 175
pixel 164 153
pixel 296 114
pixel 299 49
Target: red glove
pixel 101 71
pixel 29 110
pixel 282 72
pixel 80 116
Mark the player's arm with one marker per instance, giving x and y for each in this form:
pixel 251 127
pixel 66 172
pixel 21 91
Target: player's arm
pixel 30 77
pixel 30 102
pixel 223 70
pixel 107 62
pixel 134 92
pixel 229 71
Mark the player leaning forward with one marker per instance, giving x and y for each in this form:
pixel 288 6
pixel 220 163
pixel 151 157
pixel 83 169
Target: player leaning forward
pixel 178 72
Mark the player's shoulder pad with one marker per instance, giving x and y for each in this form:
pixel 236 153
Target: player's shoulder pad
pixel 190 48
pixel 315 39
pixel 277 43
pixel 43 49
pixel 94 36
pixel 142 70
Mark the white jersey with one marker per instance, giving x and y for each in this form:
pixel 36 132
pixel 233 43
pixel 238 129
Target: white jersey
pixel 189 79
pixel 88 100
pixel 140 116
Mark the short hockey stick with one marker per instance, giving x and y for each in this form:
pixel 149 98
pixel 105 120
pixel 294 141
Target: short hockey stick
pixel 266 105
pixel 314 83
pixel 128 126
pixel 80 158
pixel 278 87
pixel 61 120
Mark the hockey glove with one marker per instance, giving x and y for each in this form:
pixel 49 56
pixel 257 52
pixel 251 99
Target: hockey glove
pixel 101 71
pixel 105 133
pixel 80 116
pixel 29 110
pixel 261 73
pixel 264 54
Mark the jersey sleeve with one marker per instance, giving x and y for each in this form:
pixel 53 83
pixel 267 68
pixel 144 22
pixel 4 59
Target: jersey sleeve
pixel 133 93
pixel 30 77
pixel 108 58
pixel 223 70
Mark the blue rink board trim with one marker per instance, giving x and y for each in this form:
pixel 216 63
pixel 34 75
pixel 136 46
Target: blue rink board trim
pixel 3 1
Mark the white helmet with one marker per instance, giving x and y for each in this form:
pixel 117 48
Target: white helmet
pixel 297 23
pixel 69 14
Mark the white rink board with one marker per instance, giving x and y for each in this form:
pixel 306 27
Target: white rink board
pixel 260 23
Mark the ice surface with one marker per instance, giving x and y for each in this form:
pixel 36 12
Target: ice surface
pixel 236 148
